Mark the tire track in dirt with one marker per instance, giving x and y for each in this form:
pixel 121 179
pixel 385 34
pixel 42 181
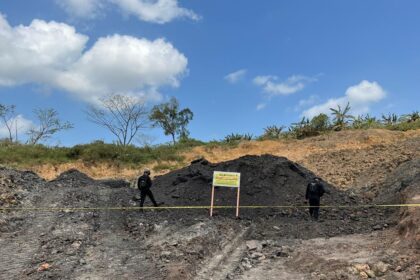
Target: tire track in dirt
pixel 20 249
pixel 223 262
pixel 115 254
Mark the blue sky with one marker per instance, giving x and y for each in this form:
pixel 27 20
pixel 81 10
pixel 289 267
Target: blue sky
pixel 238 65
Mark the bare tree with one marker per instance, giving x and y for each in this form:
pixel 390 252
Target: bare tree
pixel 49 124
pixel 9 120
pixel 124 116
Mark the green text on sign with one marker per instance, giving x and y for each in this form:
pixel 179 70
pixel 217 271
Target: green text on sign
pixel 226 179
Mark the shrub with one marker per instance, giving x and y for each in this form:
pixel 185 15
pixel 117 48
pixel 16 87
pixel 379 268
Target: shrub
pixel 320 123
pixel 302 129
pixel 404 126
pixel 365 122
pixel 272 132
pixel 236 137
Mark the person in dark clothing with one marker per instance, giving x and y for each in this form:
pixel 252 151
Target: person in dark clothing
pixel 314 191
pixel 144 184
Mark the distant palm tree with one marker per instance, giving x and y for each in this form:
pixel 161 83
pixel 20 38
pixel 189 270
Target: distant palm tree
pixel 389 119
pixel 304 122
pixel 370 122
pixel 341 116
pixel 414 116
pixel 272 132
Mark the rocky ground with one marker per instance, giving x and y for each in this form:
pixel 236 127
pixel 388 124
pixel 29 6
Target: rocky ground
pixel 278 243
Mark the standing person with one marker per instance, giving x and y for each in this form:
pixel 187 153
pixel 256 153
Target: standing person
pixel 314 191
pixel 144 184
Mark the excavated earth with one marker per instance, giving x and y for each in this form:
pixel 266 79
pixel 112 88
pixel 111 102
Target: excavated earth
pixel 75 227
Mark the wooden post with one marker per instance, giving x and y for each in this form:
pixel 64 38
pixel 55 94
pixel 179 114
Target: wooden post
pixel 212 200
pixel 237 203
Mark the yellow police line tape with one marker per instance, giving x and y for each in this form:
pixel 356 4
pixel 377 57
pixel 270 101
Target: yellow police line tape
pixel 70 209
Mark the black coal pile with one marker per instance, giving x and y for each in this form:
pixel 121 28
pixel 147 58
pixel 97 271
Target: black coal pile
pixel 403 179
pixel 107 241
pixel 114 183
pixel 403 186
pixel 73 177
pixel 265 181
pixel 16 185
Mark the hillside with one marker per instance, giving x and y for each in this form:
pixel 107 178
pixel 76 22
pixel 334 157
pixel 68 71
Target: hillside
pixel 359 157
pixel 89 235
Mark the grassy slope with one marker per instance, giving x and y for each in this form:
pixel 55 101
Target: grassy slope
pixel 101 160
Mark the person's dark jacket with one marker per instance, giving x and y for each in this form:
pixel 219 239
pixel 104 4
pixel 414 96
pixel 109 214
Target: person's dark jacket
pixel 147 180
pixel 319 191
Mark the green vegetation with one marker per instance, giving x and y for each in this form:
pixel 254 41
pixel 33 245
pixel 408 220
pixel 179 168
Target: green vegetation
pixel 174 122
pixel 272 133
pixel 98 151
pixel 171 119
pixel 342 120
pixel 237 137
pixel 341 117
pixel 18 154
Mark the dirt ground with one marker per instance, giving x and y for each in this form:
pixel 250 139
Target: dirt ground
pixel 279 243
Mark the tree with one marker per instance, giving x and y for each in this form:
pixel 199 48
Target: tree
pixel 389 119
pixel 49 124
pixel 412 117
pixel 171 119
pixel 272 132
pixel 9 120
pixel 320 122
pixel 124 116
pixel 301 129
pixel 365 122
pixel 341 116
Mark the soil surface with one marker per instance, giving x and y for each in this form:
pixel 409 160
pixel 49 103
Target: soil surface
pixel 275 243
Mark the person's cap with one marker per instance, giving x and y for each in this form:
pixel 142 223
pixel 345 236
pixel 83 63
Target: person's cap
pixel 317 178
pixel 146 170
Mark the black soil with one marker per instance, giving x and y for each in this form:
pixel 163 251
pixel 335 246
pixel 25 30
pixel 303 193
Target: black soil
pixel 265 181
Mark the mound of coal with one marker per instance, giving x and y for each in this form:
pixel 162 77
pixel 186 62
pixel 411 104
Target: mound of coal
pixel 73 177
pixel 403 179
pixel 15 185
pixel 403 187
pixel 114 183
pixel 265 180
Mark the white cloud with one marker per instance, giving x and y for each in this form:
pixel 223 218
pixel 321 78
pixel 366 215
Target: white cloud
pixel 360 97
pixel 88 9
pixel 123 64
pixel 261 106
pixel 156 11
pixel 52 54
pixel 325 107
pixel 304 103
pixel 235 76
pixel 19 123
pixel 291 85
pixel 365 92
pixel 262 80
pixel 38 51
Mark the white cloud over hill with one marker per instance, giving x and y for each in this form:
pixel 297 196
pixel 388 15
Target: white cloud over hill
pixel 360 97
